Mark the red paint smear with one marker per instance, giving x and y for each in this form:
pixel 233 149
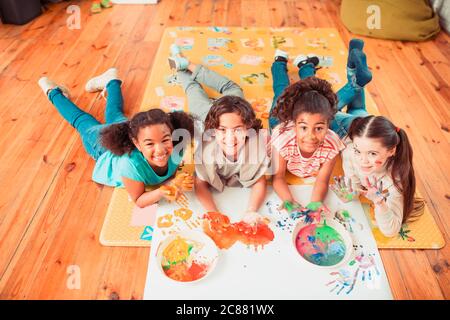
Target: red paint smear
pixel 181 272
pixel 219 228
pixel 225 234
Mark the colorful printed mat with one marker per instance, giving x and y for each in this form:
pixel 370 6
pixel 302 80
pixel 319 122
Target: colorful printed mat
pixel 245 55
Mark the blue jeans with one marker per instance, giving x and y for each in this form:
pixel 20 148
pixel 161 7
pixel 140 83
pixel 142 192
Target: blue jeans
pixel 350 95
pixel 87 126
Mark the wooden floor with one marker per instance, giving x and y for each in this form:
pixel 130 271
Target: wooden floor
pixel 51 213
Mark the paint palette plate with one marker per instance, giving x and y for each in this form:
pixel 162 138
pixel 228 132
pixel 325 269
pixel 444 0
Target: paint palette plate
pixel 326 244
pixel 188 256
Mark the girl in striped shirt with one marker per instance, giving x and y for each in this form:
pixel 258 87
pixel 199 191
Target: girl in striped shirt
pixel 303 143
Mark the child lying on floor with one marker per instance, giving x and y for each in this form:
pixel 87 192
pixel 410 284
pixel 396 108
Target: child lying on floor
pixel 131 153
pixel 233 155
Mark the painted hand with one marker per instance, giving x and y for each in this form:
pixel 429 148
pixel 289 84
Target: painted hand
pixel 172 193
pixel 290 206
pixel 343 189
pixel 254 218
pixel 374 191
pixel 318 206
pixel 184 181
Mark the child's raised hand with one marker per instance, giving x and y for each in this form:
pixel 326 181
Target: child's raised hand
pixel 184 181
pixel 343 189
pixel 374 191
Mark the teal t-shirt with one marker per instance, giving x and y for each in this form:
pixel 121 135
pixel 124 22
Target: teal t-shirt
pixel 110 168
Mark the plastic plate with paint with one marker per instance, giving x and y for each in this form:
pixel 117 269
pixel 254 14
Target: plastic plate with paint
pixel 187 256
pixel 326 244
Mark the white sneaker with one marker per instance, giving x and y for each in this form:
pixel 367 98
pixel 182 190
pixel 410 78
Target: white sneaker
pixel 99 83
pixel 46 85
pixel 302 59
pixel 281 53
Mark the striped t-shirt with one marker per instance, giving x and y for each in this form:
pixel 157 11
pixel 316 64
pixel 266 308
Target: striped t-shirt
pixel 286 145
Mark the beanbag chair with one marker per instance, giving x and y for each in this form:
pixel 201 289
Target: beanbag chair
pixel 411 20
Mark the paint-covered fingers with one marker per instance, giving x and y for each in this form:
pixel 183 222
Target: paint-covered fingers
pixel 169 192
pixel 375 191
pixel 318 206
pixel 184 181
pixel 343 188
pixel 172 193
pixel 289 206
pixel 324 209
pixel 368 183
pixel 254 218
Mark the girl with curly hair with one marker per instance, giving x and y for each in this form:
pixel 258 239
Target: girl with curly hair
pixel 128 153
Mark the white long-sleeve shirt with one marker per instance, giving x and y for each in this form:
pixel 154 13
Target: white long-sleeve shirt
pixel 389 222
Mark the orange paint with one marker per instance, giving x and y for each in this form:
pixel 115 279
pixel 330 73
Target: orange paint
pixel 184 273
pixel 225 234
pixel 257 235
pixel 169 190
pixel 183 213
pixel 165 221
pixel 219 228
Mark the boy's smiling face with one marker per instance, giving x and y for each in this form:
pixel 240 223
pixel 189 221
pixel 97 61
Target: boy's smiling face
pixel 231 134
pixel 311 129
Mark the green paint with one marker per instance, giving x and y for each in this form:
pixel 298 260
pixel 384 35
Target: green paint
pixel 351 262
pixel 314 206
pixel 290 206
pixel 349 196
pixel 326 233
pixel 345 214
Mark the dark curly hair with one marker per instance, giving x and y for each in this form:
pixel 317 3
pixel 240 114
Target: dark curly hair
pixel 232 104
pixel 311 95
pixel 118 137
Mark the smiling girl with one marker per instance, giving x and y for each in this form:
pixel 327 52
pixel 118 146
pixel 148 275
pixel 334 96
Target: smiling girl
pixel 128 153
pixel 234 154
pixel 303 143
pixel 378 159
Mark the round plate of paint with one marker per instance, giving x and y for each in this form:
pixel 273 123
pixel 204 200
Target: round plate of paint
pixel 326 244
pixel 187 256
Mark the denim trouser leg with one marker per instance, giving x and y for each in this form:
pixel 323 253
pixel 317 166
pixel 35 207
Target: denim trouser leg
pixel 358 105
pixel 87 126
pixel 198 101
pixel 342 121
pixel 280 82
pixel 217 82
pixel 114 103
pixel 306 71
